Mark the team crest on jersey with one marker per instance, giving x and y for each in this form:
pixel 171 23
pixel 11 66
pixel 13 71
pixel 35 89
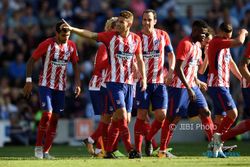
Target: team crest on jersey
pixel 157 43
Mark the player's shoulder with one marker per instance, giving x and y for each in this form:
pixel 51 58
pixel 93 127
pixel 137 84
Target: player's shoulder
pixel 186 41
pixel 135 36
pixel 162 32
pixel 70 42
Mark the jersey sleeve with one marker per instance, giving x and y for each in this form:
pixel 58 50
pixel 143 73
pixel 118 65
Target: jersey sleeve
pixel 223 43
pixel 40 50
pixel 182 50
pixel 101 59
pixel 168 47
pixel 105 37
pixel 74 56
pixel 247 51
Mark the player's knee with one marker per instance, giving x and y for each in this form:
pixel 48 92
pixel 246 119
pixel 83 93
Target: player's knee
pixel 142 114
pixel 160 115
pixel 204 112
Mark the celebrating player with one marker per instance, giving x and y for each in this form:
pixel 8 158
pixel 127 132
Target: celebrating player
pixel 155 43
pixel 123 47
pixel 55 52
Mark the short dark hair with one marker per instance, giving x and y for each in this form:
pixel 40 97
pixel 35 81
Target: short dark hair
pixel 200 24
pixel 152 11
pixel 58 26
pixel 227 28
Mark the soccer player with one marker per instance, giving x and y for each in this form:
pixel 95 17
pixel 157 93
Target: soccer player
pixel 155 45
pixel 123 48
pixel 55 52
pixel 244 125
pixel 184 86
pixel 220 64
pixel 97 89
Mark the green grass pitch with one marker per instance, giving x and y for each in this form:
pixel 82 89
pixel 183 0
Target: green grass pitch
pixel 189 155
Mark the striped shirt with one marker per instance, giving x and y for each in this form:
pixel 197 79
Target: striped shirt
pixel 55 58
pixel 219 62
pixel 121 55
pixel 100 68
pixel 153 51
pixel 191 55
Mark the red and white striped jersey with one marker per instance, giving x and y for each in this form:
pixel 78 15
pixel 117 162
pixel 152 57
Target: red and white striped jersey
pixel 219 59
pixel 244 83
pixel 153 51
pixel 191 55
pixel 55 58
pixel 100 68
pixel 121 55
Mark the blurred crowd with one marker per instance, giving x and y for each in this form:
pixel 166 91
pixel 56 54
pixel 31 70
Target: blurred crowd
pixel 25 23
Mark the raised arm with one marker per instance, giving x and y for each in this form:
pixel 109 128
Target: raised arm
pixel 239 40
pixel 82 32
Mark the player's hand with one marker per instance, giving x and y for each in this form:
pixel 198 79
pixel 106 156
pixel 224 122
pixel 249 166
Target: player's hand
pixel 143 84
pixel 168 79
pixel 243 30
pixel 202 86
pixel 191 94
pixel 77 91
pixel 27 89
pixel 67 26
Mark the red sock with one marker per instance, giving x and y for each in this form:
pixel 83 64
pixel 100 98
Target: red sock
pixel 98 132
pixel 113 134
pixel 225 124
pixel 99 143
pixel 170 135
pixel 147 128
pixel 42 128
pixel 208 126
pixel 105 129
pixel 50 135
pixel 164 134
pixel 115 146
pixel 125 135
pixel 154 144
pixel 216 127
pixel 156 125
pixel 242 127
pixel 139 129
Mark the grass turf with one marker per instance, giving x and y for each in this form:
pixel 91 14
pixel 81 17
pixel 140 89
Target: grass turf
pixel 189 154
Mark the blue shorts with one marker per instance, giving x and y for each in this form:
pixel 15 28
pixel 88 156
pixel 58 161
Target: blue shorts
pixel 121 95
pixel 155 93
pixel 246 97
pixel 96 99
pixel 105 102
pixel 179 100
pixel 222 99
pixel 52 100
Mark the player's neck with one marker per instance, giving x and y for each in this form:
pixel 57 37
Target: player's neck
pixel 124 34
pixel 147 31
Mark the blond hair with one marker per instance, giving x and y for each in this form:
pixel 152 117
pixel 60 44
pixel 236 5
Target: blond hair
pixel 127 15
pixel 110 23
